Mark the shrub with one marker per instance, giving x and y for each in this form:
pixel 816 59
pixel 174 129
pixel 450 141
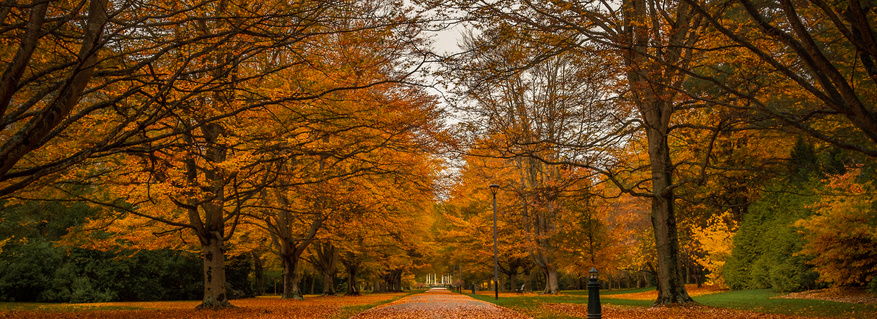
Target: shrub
pixel 765 247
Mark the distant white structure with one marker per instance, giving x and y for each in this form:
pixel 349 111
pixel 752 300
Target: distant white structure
pixel 435 279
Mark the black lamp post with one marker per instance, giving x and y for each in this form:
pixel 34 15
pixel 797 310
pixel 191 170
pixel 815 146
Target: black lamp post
pixel 593 296
pixel 493 190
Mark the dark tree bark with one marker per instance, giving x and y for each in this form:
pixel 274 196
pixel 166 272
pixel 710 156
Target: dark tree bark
pixel 808 35
pixel 290 245
pixel 652 84
pixel 291 248
pixel 351 265
pixel 325 260
pixel 32 135
pixel 258 272
pixel 291 277
pixel 393 280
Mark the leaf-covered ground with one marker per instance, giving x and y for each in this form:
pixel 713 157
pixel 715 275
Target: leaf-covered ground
pixel 263 307
pixel 839 294
pixel 444 304
pixel 700 312
pixel 716 303
pixel 652 294
pixel 439 303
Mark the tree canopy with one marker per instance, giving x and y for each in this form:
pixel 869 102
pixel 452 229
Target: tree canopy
pixel 663 142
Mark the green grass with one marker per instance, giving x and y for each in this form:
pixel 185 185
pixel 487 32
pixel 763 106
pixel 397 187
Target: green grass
pixel 608 292
pixel 606 296
pixel 761 300
pixel 751 300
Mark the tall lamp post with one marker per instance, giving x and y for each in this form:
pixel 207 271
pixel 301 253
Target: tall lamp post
pixel 493 190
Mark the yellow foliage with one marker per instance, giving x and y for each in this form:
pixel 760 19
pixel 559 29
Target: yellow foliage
pixel 715 241
pixel 3 243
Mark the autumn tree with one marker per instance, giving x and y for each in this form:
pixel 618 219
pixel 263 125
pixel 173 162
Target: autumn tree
pixel 605 233
pixel 815 76
pixel 43 81
pixel 465 226
pixel 318 190
pixel 543 107
pixel 181 145
pixel 650 43
pixel 324 257
pixel 386 230
pixel 821 55
pixel 226 75
pixel 840 235
pixel 325 145
pixel 78 83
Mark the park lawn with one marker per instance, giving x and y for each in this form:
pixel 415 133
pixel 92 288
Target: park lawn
pixel 763 300
pixel 316 307
pixel 633 303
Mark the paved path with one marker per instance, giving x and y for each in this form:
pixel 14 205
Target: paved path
pixel 439 303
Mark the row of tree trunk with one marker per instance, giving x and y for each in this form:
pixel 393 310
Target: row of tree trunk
pixel 325 259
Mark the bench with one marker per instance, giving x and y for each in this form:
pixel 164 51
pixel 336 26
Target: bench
pixel 520 290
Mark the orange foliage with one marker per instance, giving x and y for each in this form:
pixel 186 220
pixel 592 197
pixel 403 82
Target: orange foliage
pixel 841 237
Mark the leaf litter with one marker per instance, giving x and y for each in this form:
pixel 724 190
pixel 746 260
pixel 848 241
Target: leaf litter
pixel 439 303
pixel 263 307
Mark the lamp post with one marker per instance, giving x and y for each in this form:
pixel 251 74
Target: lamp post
pixel 593 296
pixel 493 190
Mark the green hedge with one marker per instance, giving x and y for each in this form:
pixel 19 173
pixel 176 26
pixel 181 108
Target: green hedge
pixel 38 271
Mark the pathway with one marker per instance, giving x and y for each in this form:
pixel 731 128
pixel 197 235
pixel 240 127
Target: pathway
pixel 439 303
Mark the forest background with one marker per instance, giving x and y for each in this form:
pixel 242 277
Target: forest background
pixel 212 149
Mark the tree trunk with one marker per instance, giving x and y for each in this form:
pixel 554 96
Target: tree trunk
pixel 325 260
pixel 351 265
pixel 328 284
pixel 655 105
pixel 639 281
pixel 258 273
pixel 550 280
pixel 352 289
pixel 394 282
pixel 291 278
pixel 688 274
pixel 671 287
pixel 215 296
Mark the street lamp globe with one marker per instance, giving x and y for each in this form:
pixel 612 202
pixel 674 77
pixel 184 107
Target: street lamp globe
pixel 494 189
